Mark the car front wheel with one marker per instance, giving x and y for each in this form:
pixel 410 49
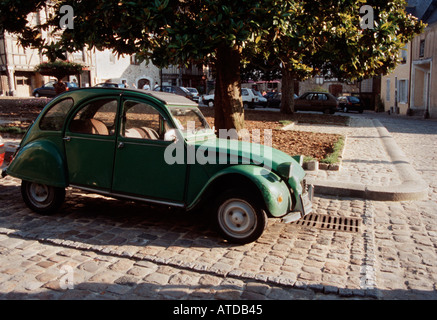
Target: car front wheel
pixel 239 217
pixel 41 198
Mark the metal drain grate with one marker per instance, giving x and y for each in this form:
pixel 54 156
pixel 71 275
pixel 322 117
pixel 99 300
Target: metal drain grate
pixel 324 221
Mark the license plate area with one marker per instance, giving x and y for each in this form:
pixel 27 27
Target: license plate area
pixel 306 200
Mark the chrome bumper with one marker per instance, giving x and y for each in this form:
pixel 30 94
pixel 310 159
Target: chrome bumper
pixel 303 208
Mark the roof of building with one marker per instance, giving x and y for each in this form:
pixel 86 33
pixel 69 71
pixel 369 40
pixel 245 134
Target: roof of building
pixel 424 10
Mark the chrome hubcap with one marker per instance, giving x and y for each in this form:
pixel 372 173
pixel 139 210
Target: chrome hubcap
pixel 39 192
pixel 237 218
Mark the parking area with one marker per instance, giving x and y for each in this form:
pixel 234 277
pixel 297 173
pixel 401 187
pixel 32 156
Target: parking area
pixel 102 248
pixel 320 257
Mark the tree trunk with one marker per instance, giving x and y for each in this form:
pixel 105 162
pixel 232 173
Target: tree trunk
pixel 228 106
pixel 287 98
pixel 60 87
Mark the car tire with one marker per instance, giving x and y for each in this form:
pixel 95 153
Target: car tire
pixel 37 95
pixel 41 198
pixel 210 103
pixel 239 217
pixel 345 109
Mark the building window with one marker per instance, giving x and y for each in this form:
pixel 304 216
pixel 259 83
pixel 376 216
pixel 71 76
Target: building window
pixel 78 56
pixel 403 91
pixel 387 92
pixel 134 60
pixel 111 58
pixel 404 53
pixel 422 48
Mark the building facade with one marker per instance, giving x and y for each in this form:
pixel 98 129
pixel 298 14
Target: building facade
pixel 410 88
pixel 17 75
pixel 17 65
pixel 132 73
pixel 423 97
pixel 395 86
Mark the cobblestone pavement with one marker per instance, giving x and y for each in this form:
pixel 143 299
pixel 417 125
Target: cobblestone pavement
pixel 406 232
pixel 166 246
pixel 111 249
pixel 363 153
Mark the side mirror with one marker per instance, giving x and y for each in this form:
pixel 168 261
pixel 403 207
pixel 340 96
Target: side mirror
pixel 170 135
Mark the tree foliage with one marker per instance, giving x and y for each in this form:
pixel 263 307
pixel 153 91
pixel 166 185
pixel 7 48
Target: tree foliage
pixel 305 37
pixel 309 38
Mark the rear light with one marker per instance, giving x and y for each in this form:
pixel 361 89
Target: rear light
pixel 2 153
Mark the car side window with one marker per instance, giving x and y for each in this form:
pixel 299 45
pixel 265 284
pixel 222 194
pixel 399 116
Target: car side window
pixel 96 117
pixel 323 97
pixel 54 118
pixel 142 121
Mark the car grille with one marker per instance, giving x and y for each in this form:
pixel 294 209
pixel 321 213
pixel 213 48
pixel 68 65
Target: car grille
pixel 304 186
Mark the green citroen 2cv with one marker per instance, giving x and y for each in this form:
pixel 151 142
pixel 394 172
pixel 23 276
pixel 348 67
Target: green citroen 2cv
pixel 156 147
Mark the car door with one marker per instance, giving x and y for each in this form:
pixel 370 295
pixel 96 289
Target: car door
pixel 140 169
pixel 48 90
pixel 89 141
pixel 304 102
pixel 322 102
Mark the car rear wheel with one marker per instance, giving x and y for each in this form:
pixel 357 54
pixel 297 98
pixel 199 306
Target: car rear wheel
pixel 41 198
pixel 239 217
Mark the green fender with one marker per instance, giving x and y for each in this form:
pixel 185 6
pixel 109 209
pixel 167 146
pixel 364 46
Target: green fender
pixel 39 161
pixel 272 188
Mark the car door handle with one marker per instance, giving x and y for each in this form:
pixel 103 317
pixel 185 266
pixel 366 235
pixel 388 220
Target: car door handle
pixel 67 138
pixel 120 145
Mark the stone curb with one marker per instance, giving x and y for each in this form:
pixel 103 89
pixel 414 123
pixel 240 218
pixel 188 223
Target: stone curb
pixel 412 187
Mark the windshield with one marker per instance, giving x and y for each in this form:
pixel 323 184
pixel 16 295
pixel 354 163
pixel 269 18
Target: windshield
pixel 189 119
pixel 258 93
pixel 193 90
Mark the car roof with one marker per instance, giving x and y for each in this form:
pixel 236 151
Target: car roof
pixel 171 98
pixel 164 97
pixel 321 92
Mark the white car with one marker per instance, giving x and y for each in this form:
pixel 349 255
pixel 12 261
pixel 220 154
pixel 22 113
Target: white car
pixel 195 93
pixel 261 100
pixel 248 96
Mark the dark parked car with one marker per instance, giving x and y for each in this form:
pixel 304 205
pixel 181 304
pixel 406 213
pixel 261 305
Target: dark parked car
pixel 182 91
pixel 274 99
pixel 48 90
pixel 108 85
pixel 350 103
pixel 316 101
